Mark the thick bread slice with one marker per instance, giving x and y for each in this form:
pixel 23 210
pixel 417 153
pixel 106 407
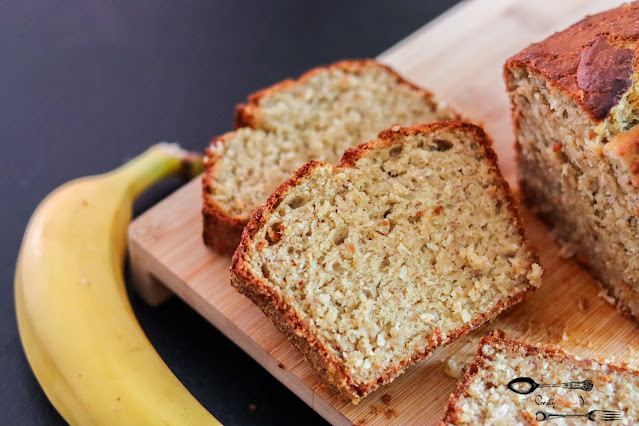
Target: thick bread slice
pixel 317 117
pixel 483 396
pixel 412 241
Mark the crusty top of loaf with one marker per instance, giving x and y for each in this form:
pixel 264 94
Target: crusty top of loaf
pixel 593 61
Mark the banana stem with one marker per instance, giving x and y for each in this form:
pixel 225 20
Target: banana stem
pixel 159 161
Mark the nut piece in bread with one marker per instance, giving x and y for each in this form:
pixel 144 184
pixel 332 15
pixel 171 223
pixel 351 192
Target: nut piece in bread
pixel 575 109
pixel 317 117
pixel 367 267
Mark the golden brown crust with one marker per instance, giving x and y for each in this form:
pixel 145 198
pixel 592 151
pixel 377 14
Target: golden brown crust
pixel 592 61
pixel 498 338
pixel 221 229
pixel 286 318
pixel 623 151
pixel 246 115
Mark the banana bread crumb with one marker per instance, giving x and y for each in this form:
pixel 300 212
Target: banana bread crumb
pixel 342 261
pixel 483 396
pixel 317 117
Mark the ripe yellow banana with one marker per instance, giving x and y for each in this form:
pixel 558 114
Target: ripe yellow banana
pixel 77 327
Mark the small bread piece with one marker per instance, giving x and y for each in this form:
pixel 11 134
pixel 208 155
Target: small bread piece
pixel 575 109
pixel 367 267
pixel 317 117
pixel 483 396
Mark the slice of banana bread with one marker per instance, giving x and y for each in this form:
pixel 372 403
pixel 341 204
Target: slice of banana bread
pixel 575 108
pixel 484 398
pixel 412 241
pixel 317 117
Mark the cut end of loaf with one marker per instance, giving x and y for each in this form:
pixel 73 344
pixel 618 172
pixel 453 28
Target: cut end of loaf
pixel 483 396
pixel 319 116
pixel 368 266
pixel 575 110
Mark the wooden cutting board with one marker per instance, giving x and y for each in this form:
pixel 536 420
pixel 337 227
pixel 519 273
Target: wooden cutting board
pixel 459 56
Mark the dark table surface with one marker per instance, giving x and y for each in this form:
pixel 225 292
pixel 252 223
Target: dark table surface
pixel 86 85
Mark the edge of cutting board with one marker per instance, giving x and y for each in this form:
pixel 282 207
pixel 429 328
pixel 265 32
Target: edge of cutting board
pixel 166 249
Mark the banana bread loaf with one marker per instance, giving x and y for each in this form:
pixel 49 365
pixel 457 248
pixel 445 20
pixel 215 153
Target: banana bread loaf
pixel 319 116
pixel 599 391
pixel 575 109
pixel 367 267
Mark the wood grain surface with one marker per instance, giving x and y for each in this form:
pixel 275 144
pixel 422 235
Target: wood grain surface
pixel 459 56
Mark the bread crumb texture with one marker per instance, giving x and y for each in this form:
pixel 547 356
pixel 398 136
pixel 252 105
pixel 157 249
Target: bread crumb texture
pixel 318 117
pixel 484 398
pixel 575 101
pixel 406 248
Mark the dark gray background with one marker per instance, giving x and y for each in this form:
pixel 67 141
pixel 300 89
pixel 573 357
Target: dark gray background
pixel 86 85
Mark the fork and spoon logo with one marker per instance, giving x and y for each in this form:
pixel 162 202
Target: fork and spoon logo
pixel 526 385
pixel 594 415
